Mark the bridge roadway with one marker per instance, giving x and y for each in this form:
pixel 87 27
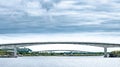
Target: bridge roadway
pixel 15 45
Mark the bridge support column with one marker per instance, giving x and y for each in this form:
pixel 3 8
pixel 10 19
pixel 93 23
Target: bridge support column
pixel 105 52
pixel 15 52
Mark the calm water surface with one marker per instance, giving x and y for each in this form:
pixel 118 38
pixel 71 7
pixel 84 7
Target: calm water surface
pixel 48 61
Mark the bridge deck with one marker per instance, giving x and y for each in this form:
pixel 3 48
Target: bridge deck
pixel 75 43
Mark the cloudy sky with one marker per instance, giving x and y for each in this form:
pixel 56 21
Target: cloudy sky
pixel 60 20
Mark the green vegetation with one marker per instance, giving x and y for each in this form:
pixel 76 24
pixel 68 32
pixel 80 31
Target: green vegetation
pixel 114 54
pixel 2 52
pixel 62 54
pixel 24 51
pixel 29 52
pixel 9 52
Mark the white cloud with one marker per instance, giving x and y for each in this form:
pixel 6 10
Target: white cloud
pixel 66 47
pixel 70 47
pixel 10 3
pixel 81 37
pixel 65 5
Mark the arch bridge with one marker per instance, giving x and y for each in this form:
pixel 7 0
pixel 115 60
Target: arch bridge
pixel 15 45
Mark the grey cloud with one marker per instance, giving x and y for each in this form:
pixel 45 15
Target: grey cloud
pixel 94 18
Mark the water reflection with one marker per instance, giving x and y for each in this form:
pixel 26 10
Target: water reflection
pixel 55 61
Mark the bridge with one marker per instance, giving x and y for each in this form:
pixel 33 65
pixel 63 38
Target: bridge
pixel 15 45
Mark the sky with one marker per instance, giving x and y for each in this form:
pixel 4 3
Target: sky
pixel 59 20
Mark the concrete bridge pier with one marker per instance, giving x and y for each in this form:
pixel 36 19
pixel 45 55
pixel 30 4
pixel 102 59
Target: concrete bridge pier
pixel 15 52
pixel 105 52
